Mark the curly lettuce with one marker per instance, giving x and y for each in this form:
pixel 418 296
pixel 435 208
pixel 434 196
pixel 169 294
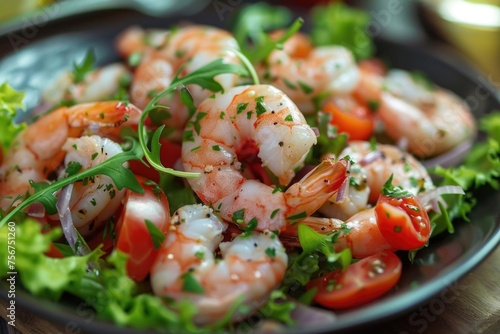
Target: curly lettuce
pixel 10 102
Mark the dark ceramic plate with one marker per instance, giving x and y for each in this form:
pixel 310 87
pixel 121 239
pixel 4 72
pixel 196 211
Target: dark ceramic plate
pixel 31 57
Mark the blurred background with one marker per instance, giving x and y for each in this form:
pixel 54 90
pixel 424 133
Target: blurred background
pixel 471 27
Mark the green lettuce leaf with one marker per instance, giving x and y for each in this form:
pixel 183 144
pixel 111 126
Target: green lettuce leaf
pixel 10 102
pixel 338 24
pixel 481 168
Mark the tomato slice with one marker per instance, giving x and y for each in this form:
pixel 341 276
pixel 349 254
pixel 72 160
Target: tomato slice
pixel 360 283
pixel 169 154
pixel 357 122
pixel 133 236
pixel 403 222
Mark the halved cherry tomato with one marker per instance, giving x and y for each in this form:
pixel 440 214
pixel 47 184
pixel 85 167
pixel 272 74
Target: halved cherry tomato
pixel 403 222
pixel 134 237
pixel 169 154
pixel 357 122
pixel 248 155
pixel 360 283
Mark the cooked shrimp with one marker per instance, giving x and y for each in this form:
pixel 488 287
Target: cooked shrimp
pixel 431 119
pixel 250 268
pixel 266 117
pixel 188 48
pixel 97 85
pixel 371 168
pixel 95 201
pixel 37 151
pixel 305 73
pixel 359 233
pixel 380 161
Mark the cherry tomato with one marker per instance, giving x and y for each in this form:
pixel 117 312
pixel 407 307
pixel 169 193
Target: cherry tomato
pixel 357 122
pixel 403 222
pixel 169 154
pixel 360 283
pixel 134 237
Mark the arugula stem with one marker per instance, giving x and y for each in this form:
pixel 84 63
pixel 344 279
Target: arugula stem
pixel 248 66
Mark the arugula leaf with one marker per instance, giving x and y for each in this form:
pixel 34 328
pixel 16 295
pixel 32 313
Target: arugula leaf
pixel 10 102
pixel 113 167
pixel 338 24
pixel 252 22
pixel 203 77
pixel 87 65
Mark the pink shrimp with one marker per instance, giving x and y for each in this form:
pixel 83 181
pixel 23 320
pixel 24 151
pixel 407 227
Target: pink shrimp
pixel 38 150
pixel 187 48
pixel 266 117
pixel 250 268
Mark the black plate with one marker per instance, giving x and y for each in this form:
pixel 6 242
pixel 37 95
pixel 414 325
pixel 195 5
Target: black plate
pixel 31 58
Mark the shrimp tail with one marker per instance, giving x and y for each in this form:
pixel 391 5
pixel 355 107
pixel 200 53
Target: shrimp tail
pixel 313 190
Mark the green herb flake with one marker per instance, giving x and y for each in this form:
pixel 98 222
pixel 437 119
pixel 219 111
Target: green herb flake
pixel 94 155
pixel 216 147
pixel 191 284
pixel 73 168
pixel 271 252
pixel 289 118
pixel 289 84
pixel 135 59
pixel 238 216
pixel 273 214
pixel 241 107
pixel 305 87
pixel 260 109
pixel 398 228
pixel 156 234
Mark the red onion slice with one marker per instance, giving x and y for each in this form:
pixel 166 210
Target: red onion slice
pixel 69 230
pixel 316 131
pixel 371 157
pixel 433 196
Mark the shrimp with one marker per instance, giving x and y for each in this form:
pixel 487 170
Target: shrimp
pixel 250 268
pixel 359 233
pixel 94 202
pixel 97 85
pixel 266 117
pixel 371 168
pixel 431 119
pixel 188 48
pixel 37 151
pixel 305 73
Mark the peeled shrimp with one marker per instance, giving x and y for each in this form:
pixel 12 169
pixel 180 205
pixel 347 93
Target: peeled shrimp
pixel 187 48
pixel 96 200
pixel 250 268
pixel 305 73
pixel 430 119
pixel 266 117
pixel 97 85
pixel 372 166
pixel 37 151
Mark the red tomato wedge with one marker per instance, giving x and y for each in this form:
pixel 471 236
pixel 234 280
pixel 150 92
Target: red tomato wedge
pixel 169 154
pixel 403 222
pixel 360 283
pixel 133 236
pixel 358 123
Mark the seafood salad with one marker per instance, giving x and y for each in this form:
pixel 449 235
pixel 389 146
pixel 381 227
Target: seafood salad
pixel 214 174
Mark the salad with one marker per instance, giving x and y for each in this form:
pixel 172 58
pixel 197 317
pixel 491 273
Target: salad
pixel 213 175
